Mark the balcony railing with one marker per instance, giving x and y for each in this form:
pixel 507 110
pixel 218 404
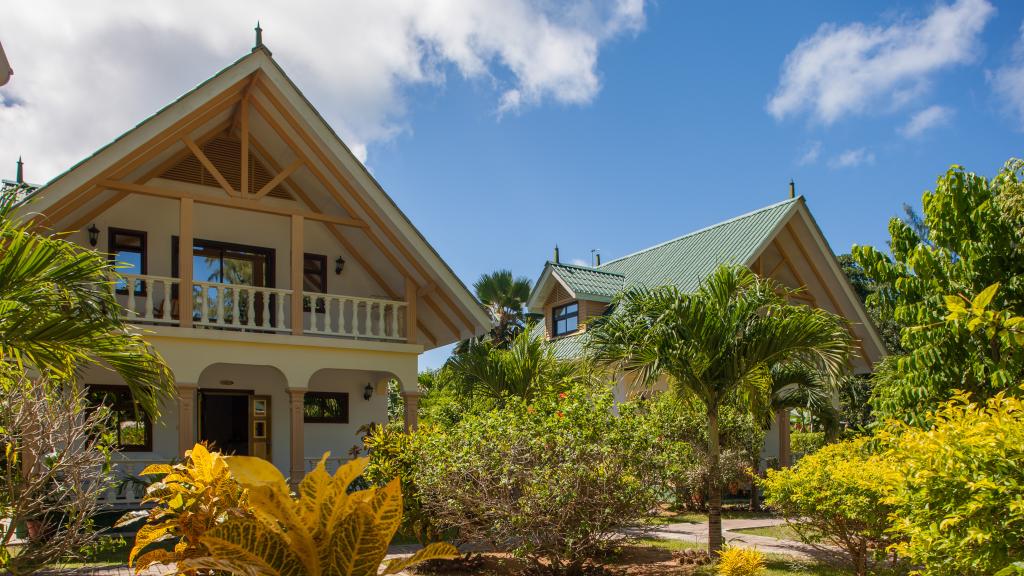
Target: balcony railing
pixel 148 299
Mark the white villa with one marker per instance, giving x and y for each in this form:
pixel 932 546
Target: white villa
pixel 280 282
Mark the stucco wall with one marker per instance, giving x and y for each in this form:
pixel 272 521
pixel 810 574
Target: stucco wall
pixel 338 439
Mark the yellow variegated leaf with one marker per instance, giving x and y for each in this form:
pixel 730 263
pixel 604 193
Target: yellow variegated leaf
pixel 252 471
pixel 387 508
pixel 202 462
pixel 436 551
pixel 340 555
pixel 159 556
pixel 147 535
pixel 351 470
pixel 156 469
pixel 246 543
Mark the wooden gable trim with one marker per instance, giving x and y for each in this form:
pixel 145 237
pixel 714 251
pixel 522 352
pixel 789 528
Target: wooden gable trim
pixel 268 90
pixel 198 153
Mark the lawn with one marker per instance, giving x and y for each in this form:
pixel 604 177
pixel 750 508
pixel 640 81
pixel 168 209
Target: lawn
pixel 673 517
pixel 778 564
pixel 781 532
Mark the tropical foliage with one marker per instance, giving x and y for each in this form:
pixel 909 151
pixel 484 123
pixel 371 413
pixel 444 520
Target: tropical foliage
pixel 394 453
pixel 187 501
pixel 325 530
pixel 58 312
pixel 717 344
pixel 837 496
pixel 553 480
pixel 958 504
pixel 504 297
pixel 735 561
pixel 973 243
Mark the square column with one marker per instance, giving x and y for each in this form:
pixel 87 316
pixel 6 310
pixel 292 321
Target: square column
pixel 186 416
pixel 412 407
pixel 782 423
pixel 296 405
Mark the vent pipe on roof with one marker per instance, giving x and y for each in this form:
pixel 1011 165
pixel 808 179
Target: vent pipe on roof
pixel 20 175
pixel 595 257
pixel 598 256
pixel 556 253
pixel 792 188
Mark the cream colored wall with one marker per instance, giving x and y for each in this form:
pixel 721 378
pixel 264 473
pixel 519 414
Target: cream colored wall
pixel 338 439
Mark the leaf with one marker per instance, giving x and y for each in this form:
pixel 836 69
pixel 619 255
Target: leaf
pixel 159 556
pixel 147 535
pixel 248 543
pixel 253 471
pixel 984 298
pixel 436 551
pixel 156 469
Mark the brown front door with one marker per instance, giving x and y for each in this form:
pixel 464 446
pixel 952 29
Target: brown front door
pixel 225 421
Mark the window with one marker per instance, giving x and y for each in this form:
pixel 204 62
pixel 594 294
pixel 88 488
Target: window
pixel 326 407
pixel 132 428
pixel 565 319
pixel 128 249
pixel 314 279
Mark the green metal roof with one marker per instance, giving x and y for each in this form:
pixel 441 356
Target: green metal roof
pixel 589 281
pixel 685 261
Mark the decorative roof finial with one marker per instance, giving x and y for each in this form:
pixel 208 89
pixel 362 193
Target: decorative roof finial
pixel 556 253
pixel 20 176
pixel 259 35
pixel 792 188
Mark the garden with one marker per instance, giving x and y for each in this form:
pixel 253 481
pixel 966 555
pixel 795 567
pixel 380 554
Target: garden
pixel 525 463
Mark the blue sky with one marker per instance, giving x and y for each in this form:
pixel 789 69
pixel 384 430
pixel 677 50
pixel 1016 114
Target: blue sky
pixel 680 137
pixel 503 127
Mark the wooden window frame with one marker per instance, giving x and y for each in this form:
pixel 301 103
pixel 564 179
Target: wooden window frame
pixel 557 313
pixel 147 422
pixel 341 397
pixel 321 307
pixel 112 250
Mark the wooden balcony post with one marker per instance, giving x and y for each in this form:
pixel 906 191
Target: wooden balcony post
pixel 411 336
pixel 296 276
pixel 782 423
pixel 185 240
pixel 412 410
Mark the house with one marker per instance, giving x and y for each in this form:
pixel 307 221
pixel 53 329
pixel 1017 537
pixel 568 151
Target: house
pixel 282 285
pixel 781 241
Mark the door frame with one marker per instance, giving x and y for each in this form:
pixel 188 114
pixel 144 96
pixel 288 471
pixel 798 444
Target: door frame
pixel 226 392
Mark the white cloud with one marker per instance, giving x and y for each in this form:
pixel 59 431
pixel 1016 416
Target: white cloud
pixel 853 158
pixel 930 117
pixel 84 75
pixel 579 262
pixel 811 154
pixel 843 70
pixel 1008 82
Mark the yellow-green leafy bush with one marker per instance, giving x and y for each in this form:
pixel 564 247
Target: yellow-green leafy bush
pixel 837 496
pixel 959 505
pixel 322 531
pixel 192 498
pixel 740 562
pixel 393 454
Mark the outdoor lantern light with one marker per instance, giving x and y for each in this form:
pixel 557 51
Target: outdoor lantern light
pixel 339 265
pixel 94 235
pixel 368 391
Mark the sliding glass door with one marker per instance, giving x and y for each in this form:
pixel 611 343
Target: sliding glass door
pixel 235 265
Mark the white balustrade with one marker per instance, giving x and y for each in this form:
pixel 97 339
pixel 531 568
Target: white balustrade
pixel 147 298
pixel 354 316
pixel 128 488
pixel 240 307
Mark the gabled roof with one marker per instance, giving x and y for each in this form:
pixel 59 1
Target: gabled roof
pixel 383 232
pixel 686 260
pixel 581 282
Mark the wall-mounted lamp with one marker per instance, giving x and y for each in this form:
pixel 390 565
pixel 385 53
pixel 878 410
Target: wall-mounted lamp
pixel 339 265
pixel 94 235
pixel 368 391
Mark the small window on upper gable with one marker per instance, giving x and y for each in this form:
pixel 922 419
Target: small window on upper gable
pixel 565 319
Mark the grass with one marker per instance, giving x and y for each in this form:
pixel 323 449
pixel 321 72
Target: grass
pixel 672 517
pixel 777 564
pixel 781 532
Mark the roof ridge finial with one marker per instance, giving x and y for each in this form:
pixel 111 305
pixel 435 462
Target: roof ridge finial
pixel 792 188
pixel 20 175
pixel 259 36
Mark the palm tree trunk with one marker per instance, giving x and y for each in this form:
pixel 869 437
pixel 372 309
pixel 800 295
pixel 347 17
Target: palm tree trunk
pixel 714 489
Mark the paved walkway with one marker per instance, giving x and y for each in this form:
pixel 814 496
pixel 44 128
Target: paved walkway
pixel 698 532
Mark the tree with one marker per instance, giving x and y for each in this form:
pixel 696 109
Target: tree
pixel 504 297
pixel 974 243
pixel 718 344
pixel 881 316
pixel 58 313
pixel 525 368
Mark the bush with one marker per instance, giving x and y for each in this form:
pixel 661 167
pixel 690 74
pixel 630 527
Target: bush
pixel 804 443
pixel 960 504
pixel 837 495
pixel 552 481
pixel 740 562
pixel 393 454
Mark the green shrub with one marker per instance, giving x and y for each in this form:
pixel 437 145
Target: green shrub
pixel 393 454
pixel 959 506
pixel 740 562
pixel 552 481
pixel 805 443
pixel 837 496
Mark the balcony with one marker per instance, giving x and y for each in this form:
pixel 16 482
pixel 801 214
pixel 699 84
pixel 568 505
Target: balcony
pixel 148 299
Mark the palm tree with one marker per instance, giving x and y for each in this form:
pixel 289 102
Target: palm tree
pixel 527 367
pixel 718 344
pixel 504 297
pixel 58 313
